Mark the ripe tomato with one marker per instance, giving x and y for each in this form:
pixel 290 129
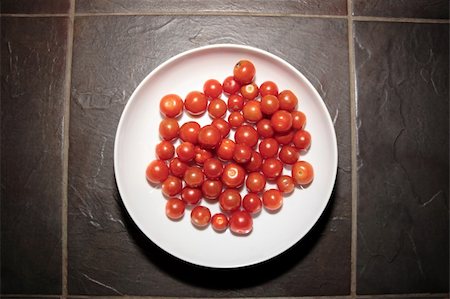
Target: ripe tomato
pixel 241 223
pixel 209 137
pixel 268 87
pixel 264 128
pixel 281 121
pixel 194 177
pixel 191 195
pixel 226 149
pixel 201 155
pixel 235 119
pixel 219 222
pixel 222 125
pixel 255 182
pixel 284 138
pixel 217 108
pixel 303 173
pixel 230 200
pixel 252 203
pixel 171 105
pixel 165 150
pixel 233 175
pixel 269 104
pixel 212 88
pixel 200 216
pixel 288 154
pixel 285 184
pixel 250 91
pixel 298 120
pixel 268 148
pixel 302 140
pixel 186 151
pixel 230 86
pixel 288 100
pixel 195 103
pixel 244 72
pixel 171 186
pixel 252 111
pixel 189 132
pixel 175 208
pixel 235 102
pixel 177 167
pixel 255 162
pixel 247 135
pixel 272 168
pixel 242 153
pixel 212 168
pixel 211 189
pixel 157 172
pixel 169 128
pixel 272 199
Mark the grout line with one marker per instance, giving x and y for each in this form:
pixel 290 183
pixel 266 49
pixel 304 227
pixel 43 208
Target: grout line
pixel 399 20
pixel 66 149
pixel 42 15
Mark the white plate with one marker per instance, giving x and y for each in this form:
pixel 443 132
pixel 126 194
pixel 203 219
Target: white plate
pixel 137 136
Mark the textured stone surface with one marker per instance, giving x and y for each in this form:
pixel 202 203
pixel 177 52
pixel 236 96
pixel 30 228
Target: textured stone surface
pixel 403 215
pixel 434 9
pixel 32 87
pixel 35 6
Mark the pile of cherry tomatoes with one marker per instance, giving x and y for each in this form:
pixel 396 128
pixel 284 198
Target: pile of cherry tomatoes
pixel 269 134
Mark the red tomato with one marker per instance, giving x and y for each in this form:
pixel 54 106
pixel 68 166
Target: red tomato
pixel 281 121
pixel 165 150
pixel 285 184
pixel 222 125
pixel 250 91
pixel 247 135
pixel 211 189
pixel 226 149
pixel 288 100
pixel 268 87
pixel 252 111
pixel 217 108
pixel 241 223
pixel 195 103
pixel 255 162
pixel 230 200
pixel 212 88
pixel 235 102
pixel 212 168
pixel 288 154
pixel 302 140
pixel 186 151
pixel 177 167
pixel 252 203
pixel 255 182
pixel 189 132
pixel 268 148
pixel 264 128
pixel 235 119
pixel 200 216
pixel 272 168
pixel 244 72
pixel 233 175
pixel 157 172
pixel 171 105
pixel 242 153
pixel 230 86
pixel 169 128
pixel 193 177
pixel 303 173
pixel 298 120
pixel 219 222
pixel 272 199
pixel 191 195
pixel 209 137
pixel 171 186
pixel 285 137
pixel 269 104
pixel 201 155
pixel 175 208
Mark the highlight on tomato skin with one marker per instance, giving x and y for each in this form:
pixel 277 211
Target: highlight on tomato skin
pixel 171 105
pixel 272 199
pixel 200 216
pixel 241 222
pixel 157 172
pixel 175 208
pixel 303 173
pixel 219 222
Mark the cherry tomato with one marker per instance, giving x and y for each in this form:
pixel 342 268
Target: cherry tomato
pixel 247 135
pixel 272 168
pixel 171 186
pixel 186 151
pixel 268 148
pixel 169 128
pixel 201 155
pixel 244 72
pixel 255 182
pixel 171 105
pixel 255 162
pixel 303 173
pixel 226 149
pixel 242 153
pixel 252 111
pixel 235 102
pixel 209 137
pixel 200 216
pixel 230 86
pixel 165 150
pixel 195 103
pixel 281 121
pixel 230 200
pixel 193 177
pixel 233 175
pixel 212 88
pixel 223 126
pixel 285 137
pixel 191 195
pixel 189 132
pixel 272 199
pixel 269 104
pixel 217 108
pixel 288 154
pixel 288 100
pixel 211 189
pixel 252 203
pixel 157 172
pixel 285 184
pixel 268 87
pixel 298 120
pixel 177 167
pixel 302 140
pixel 241 223
pixel 235 119
pixel 212 168
pixel 250 91
pixel 264 128
pixel 175 208
pixel 219 222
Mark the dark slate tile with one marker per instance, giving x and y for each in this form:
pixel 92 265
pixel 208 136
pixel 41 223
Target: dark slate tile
pixel 331 7
pixel 432 9
pixel 35 6
pixel 32 85
pixel 107 253
pixel 403 215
